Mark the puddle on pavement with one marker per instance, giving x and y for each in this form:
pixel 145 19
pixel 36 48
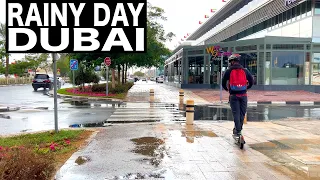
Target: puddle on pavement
pixel 99 124
pixel 4 116
pixel 256 113
pixel 297 155
pixel 81 160
pixel 152 147
pixel 163 174
pixel 76 103
pixel 191 131
pixel 86 103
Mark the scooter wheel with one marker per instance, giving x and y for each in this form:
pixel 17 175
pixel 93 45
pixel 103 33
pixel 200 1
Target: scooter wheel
pixel 241 142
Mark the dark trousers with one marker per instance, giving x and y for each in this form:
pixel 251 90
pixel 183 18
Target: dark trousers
pixel 239 109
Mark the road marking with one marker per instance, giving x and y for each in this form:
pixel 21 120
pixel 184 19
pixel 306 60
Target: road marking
pixel 306 103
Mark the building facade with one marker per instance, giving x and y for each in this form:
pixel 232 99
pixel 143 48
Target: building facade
pixel 279 43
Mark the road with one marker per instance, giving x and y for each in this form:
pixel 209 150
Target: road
pixel 36 111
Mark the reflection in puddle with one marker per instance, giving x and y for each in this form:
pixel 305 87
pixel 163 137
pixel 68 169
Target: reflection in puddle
pixel 152 147
pixel 256 113
pixel 100 124
pixel 191 132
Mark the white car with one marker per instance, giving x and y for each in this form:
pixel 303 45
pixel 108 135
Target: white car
pixel 160 79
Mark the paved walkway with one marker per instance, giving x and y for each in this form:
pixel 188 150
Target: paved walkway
pixel 286 149
pixel 163 93
pixel 254 95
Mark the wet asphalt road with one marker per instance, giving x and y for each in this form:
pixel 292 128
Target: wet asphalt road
pixel 37 114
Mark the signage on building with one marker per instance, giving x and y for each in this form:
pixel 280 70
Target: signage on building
pixel 215 51
pixel 289 2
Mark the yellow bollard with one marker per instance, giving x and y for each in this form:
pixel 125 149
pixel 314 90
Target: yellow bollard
pixel 245 119
pixel 151 95
pixel 190 112
pixel 181 96
pixel 190 133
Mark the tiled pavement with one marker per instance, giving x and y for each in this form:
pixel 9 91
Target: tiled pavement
pixel 203 151
pixel 263 96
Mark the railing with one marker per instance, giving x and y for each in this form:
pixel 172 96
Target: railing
pixel 18 80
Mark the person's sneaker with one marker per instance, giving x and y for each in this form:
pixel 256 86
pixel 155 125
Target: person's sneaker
pixel 234 131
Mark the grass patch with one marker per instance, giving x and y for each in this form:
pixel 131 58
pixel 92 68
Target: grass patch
pixel 39 155
pixel 35 139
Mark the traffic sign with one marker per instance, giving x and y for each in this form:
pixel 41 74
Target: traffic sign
pixel 107 61
pixel 74 64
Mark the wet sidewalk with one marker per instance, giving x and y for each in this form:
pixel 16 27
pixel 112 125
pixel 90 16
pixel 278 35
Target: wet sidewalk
pixel 288 148
pixel 205 150
pixel 140 92
pixel 262 96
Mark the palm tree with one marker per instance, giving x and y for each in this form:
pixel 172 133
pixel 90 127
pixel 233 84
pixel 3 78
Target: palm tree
pixel 3 39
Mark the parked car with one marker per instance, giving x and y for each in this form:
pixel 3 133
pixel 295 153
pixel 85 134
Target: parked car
pixel 42 81
pixel 152 79
pixel 160 79
pixel 144 79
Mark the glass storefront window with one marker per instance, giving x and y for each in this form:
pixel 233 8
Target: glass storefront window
pixel 287 68
pixel 315 71
pixel 249 61
pixel 196 70
pixel 316 74
pixel 316 58
pixel 267 69
pixel 307 69
pixel 177 67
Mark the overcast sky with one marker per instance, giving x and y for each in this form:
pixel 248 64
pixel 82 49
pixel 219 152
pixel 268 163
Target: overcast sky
pixel 183 16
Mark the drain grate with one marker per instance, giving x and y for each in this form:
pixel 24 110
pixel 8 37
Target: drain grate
pixel 270 95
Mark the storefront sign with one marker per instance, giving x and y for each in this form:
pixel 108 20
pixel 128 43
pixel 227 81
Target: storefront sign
pixel 289 2
pixel 215 51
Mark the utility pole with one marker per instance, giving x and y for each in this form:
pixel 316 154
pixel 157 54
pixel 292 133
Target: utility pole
pixel 55 92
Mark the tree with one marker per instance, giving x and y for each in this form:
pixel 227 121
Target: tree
pixel 63 63
pixel 139 74
pixel 3 42
pixel 45 64
pixel 19 67
pixel 84 75
pixel 36 60
pixel 156 50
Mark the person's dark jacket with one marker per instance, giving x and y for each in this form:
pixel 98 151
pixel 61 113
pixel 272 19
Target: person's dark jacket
pixel 226 78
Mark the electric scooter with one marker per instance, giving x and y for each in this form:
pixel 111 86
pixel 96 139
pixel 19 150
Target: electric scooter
pixel 239 140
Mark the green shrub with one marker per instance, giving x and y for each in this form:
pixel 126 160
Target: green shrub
pixel 120 88
pixel 100 87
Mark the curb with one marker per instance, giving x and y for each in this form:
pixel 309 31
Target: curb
pixel 285 102
pixel 7 109
pixel 86 98
pixel 14 85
